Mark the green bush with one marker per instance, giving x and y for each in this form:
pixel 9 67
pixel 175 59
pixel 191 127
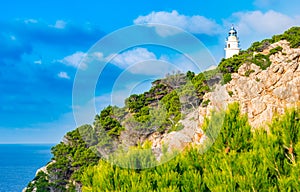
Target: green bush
pixel 205 103
pixel 262 61
pixel 176 127
pixel 292 35
pixel 239 160
pixel 41 183
pixel 107 121
pixel 275 50
pixel 226 78
pixel 232 64
pixel 70 158
pixel 248 72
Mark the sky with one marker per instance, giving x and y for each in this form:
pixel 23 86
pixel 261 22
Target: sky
pixel 45 46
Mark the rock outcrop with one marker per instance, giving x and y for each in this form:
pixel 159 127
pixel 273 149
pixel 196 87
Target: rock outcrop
pixel 176 140
pixel 42 169
pixel 261 93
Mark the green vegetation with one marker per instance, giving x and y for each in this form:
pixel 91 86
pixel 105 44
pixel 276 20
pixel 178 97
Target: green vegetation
pixel 292 36
pixel 41 183
pixel 177 127
pixel 135 102
pixel 71 158
pixel 169 98
pixel 107 120
pixel 231 65
pixel 137 158
pixel 199 82
pixel 239 160
pixel 158 109
pixel 262 61
pixel 226 78
pixel 172 105
pixel 235 133
pixel 275 50
pixel 205 103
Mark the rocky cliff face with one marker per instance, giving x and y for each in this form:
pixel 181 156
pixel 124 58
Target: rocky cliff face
pixel 261 93
pixel 176 140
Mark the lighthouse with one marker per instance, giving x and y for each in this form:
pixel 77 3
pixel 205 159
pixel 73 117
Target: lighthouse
pixel 232 46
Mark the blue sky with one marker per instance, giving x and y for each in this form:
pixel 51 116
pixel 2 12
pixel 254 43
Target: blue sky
pixel 43 42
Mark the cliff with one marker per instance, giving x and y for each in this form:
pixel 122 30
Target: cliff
pixel 262 93
pixel 264 80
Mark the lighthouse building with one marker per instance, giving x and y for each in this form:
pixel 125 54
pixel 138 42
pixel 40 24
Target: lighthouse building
pixel 232 46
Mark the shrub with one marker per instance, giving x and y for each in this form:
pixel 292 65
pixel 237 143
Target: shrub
pixel 248 72
pixel 262 61
pixel 205 103
pixel 239 160
pixel 275 50
pixel 226 78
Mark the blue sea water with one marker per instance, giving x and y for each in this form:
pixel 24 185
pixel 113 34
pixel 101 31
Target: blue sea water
pixel 19 162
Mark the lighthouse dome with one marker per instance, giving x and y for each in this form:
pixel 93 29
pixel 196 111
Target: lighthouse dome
pixel 232 32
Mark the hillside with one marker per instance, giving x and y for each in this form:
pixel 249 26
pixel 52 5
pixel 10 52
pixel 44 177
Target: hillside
pixel 244 115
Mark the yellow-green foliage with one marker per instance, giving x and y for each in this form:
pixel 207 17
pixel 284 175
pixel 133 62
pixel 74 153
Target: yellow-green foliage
pixel 239 160
pixel 136 157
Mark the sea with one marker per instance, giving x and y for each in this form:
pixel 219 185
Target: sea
pixel 19 163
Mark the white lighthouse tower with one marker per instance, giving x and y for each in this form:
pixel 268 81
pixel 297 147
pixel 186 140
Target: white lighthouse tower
pixel 232 46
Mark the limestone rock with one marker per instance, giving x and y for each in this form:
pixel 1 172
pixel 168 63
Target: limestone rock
pixel 261 94
pixel 249 68
pixel 176 140
pixel 264 92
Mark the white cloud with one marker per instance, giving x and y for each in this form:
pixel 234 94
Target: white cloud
pixel 84 113
pixel 38 62
pixel 13 38
pixel 142 61
pixel 74 60
pixel 212 67
pixel 27 21
pixel 103 101
pixel 59 24
pixel 183 64
pixel 81 60
pixel 132 57
pixel 270 22
pixel 63 75
pixel 98 56
pixel 195 24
